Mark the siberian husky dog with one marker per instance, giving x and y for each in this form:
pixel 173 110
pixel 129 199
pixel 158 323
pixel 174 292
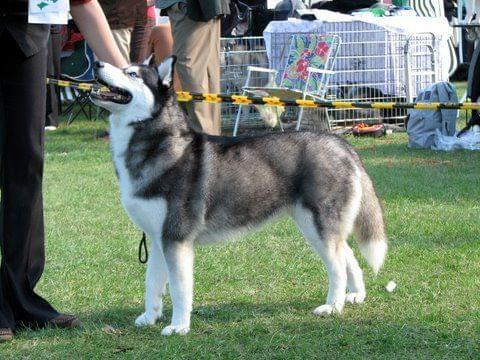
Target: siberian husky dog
pixel 182 188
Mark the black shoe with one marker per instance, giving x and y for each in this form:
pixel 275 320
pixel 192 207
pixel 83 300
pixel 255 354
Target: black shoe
pixel 6 334
pixel 64 321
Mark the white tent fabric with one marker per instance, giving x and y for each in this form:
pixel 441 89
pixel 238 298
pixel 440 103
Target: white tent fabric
pixel 435 8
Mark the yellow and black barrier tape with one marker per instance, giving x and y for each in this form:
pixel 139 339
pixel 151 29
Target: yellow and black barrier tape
pixel 77 85
pixel 185 96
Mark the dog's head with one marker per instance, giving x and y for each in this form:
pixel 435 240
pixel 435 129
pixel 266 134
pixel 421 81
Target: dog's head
pixel 137 89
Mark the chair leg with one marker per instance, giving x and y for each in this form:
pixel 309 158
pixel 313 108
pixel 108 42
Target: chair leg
pixel 84 103
pixel 280 124
pixel 89 110
pixel 81 103
pixel 97 112
pixel 68 108
pixel 73 114
pixel 237 120
pixel 327 119
pixel 299 119
pixel 70 120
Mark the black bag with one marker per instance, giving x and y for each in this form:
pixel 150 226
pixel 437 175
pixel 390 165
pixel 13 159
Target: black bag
pixel 246 18
pixel 344 6
pixel 238 22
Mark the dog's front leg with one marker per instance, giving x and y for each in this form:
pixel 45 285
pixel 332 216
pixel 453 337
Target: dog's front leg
pixel 179 259
pixel 156 280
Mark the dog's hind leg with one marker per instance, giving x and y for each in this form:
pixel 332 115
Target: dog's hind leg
pixel 156 280
pixel 179 259
pixel 356 287
pixel 330 245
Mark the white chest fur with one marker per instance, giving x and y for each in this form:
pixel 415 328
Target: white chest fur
pixel 148 214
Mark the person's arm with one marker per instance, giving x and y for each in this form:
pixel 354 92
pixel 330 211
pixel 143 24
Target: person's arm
pixel 94 27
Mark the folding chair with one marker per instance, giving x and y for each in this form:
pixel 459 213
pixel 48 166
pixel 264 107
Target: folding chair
pixel 78 66
pixel 308 70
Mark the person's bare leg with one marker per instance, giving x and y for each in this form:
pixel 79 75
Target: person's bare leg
pixel 161 44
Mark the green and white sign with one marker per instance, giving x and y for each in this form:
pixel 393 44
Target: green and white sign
pixel 48 11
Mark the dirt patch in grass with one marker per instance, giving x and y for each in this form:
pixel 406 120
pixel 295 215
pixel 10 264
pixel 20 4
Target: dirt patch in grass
pixel 392 161
pixel 430 162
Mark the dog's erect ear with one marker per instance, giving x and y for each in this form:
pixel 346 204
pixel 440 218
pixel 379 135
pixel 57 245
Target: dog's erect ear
pixel 165 70
pixel 150 61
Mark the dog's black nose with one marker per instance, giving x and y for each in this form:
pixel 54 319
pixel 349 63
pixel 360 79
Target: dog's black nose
pixel 98 65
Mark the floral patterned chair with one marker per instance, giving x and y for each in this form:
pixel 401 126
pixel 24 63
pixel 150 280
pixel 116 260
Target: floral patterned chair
pixel 309 66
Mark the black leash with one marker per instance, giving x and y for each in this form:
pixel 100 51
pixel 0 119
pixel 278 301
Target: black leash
pixel 143 244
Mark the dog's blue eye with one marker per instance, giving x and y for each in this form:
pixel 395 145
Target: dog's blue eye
pixel 132 74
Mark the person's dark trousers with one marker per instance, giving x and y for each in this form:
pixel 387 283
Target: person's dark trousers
pixel 473 84
pixel 139 41
pixel 22 121
pixel 53 71
pixel 473 89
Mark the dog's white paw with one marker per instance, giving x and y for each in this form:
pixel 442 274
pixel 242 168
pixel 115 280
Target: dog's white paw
pixel 175 329
pixel 146 320
pixel 327 310
pixel 355 297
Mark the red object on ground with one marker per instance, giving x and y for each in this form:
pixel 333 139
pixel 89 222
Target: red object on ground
pixel 363 129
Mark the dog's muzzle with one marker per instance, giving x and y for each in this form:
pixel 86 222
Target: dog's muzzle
pixel 113 94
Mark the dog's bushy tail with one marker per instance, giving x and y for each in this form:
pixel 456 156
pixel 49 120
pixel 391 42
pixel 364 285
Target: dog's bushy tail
pixel 369 227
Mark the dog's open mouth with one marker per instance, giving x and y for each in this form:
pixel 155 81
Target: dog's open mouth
pixel 113 94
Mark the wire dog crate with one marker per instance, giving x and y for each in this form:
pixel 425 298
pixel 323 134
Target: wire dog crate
pixel 373 64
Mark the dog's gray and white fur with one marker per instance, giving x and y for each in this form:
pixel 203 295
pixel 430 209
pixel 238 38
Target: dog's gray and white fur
pixel 183 187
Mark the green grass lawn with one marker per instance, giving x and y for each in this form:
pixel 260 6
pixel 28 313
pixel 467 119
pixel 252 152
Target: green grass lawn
pixel 253 298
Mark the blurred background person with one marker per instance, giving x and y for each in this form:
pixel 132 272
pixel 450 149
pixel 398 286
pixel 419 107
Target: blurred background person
pixel 160 45
pixel 131 22
pixel 145 19
pixel 196 43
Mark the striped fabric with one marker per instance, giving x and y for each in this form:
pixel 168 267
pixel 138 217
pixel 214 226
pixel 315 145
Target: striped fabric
pixel 435 8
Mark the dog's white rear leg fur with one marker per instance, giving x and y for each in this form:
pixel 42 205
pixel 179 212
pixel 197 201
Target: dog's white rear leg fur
pixel 331 250
pixel 334 258
pixel 179 258
pixel 156 280
pixel 356 287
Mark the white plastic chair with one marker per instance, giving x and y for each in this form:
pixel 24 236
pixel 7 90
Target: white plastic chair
pixel 308 70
